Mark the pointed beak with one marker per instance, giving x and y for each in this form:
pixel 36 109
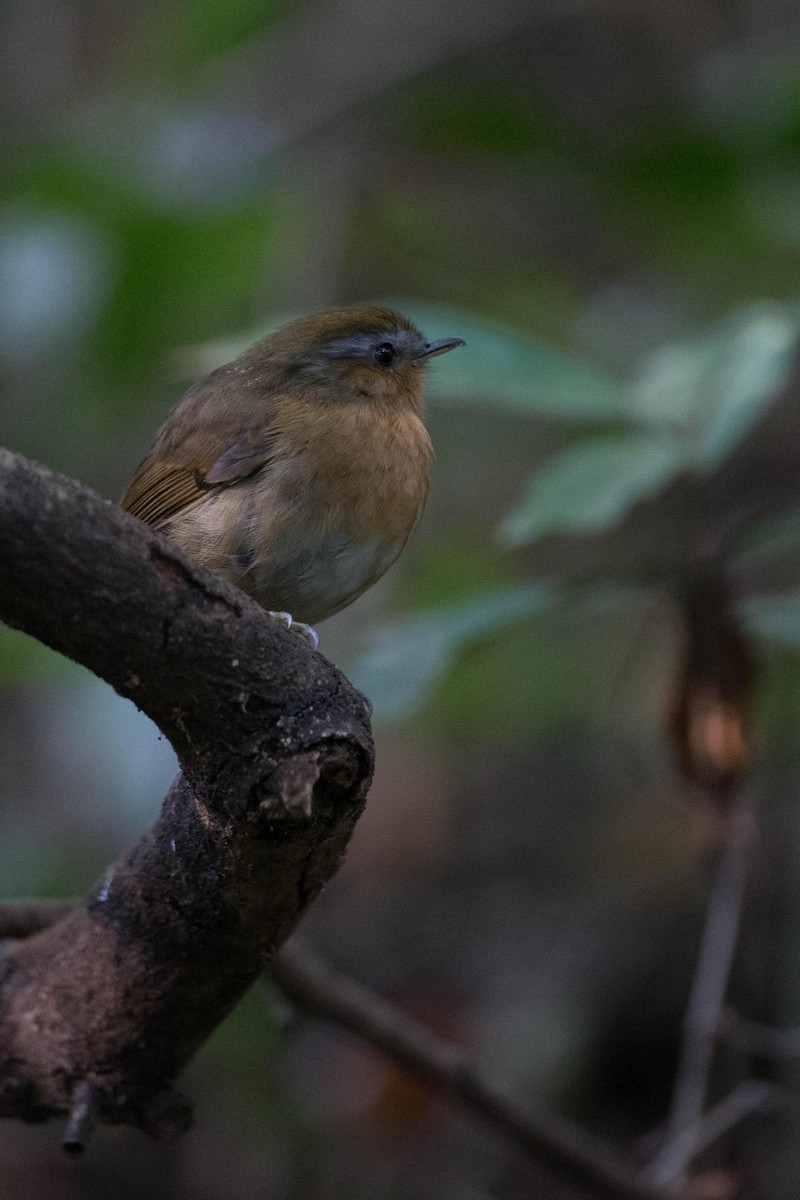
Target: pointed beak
pixel 440 347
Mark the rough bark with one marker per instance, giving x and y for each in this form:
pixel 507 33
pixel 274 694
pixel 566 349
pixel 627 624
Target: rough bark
pixel 101 1011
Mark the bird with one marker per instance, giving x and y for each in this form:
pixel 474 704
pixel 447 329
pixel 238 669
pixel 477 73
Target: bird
pixel 298 470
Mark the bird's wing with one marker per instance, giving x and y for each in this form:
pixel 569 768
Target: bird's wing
pixel 161 488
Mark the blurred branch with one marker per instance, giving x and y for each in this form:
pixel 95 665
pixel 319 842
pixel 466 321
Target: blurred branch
pixel 314 986
pixel 103 1003
pixel 575 1153
pixel 319 67
pixel 757 1039
pixel 707 998
pixel 749 1097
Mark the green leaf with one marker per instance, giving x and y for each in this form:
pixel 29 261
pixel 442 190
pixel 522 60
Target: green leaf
pixel 712 390
pixel 755 366
pixel 411 655
pixel 672 385
pixel 592 485
pixel 503 368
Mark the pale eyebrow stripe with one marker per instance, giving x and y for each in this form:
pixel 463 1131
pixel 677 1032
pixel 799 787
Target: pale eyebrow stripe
pixel 358 344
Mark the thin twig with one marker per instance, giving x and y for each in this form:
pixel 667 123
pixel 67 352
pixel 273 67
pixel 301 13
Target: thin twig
pixel 754 1095
pixel 316 987
pixel 749 1097
pixel 758 1039
pixel 357 59
pixel 710 984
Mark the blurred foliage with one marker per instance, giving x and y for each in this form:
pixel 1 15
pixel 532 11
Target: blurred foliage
pixel 415 653
pixel 510 371
pixel 196 32
pixel 606 207
pixel 690 407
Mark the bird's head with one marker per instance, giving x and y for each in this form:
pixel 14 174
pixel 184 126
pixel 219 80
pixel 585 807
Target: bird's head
pixel 362 354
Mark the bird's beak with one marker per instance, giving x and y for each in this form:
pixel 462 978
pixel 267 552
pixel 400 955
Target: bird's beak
pixel 440 347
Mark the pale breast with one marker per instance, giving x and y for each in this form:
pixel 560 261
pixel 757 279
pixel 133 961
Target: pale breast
pixel 310 533
pixel 313 582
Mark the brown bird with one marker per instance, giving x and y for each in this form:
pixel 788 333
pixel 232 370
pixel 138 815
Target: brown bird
pixel 298 470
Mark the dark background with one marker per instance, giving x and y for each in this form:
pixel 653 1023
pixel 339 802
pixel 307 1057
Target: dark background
pixel 603 200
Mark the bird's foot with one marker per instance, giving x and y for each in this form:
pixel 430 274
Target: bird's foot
pixel 311 635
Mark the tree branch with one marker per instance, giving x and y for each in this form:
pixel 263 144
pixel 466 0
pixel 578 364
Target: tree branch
pixel 756 1038
pixel 707 998
pixel 276 755
pixel 750 1097
pixel 574 1152
pixel 313 985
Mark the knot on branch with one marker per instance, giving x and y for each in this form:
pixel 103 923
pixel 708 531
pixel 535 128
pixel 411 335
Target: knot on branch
pixel 299 786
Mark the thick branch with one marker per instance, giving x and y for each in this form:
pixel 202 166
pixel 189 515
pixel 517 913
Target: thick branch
pixel 191 651
pixel 276 753
pixel 314 986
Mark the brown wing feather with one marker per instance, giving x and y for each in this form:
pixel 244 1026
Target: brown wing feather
pixel 159 490
pixel 218 433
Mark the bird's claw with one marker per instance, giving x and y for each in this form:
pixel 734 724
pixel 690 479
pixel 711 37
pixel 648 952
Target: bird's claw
pixel 306 631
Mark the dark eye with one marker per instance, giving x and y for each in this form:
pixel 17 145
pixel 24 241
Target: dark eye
pixel 384 354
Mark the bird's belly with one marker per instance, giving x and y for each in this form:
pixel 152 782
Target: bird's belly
pixel 307 548
pixel 313 582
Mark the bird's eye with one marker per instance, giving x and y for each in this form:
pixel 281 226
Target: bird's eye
pixel 384 354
